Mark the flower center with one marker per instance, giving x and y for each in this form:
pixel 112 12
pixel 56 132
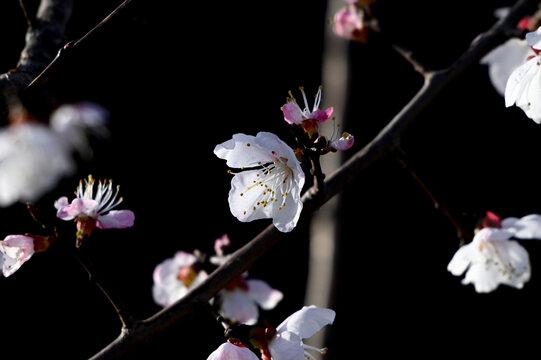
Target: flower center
pixel 106 197
pixel 187 275
pixel 273 181
pixel 499 260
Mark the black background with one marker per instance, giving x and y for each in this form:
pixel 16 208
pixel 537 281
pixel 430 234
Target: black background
pixel 180 79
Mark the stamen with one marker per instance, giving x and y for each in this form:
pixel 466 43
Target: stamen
pixel 318 99
pixel 304 98
pixel 322 351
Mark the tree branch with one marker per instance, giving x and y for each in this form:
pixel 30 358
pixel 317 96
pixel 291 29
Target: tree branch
pixel 44 36
pixel 385 143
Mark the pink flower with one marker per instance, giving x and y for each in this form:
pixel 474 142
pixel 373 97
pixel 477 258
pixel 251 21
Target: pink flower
pixel 16 250
pixel 307 118
pixel 349 23
pixel 229 351
pixel 94 210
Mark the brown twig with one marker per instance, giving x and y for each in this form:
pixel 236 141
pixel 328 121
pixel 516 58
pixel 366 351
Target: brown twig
pixel 47 72
pixel 462 233
pixel 44 36
pixel 126 319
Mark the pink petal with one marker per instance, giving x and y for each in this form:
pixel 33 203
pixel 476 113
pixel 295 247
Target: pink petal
pixel 292 113
pixel 322 115
pixel 77 207
pixel 116 219
pixel 344 143
pixel 16 250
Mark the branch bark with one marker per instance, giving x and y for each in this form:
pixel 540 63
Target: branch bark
pixel 385 143
pixel 44 36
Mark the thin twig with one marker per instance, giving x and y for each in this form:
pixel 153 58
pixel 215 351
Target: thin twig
pixel 383 144
pixel 127 320
pixel 462 233
pixel 70 46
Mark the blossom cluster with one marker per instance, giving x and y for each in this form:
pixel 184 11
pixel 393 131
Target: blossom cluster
pixel 239 304
pixel 495 255
pixel 268 179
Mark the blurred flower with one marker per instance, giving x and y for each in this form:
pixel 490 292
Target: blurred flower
pixel 349 23
pixel 492 258
pixel 285 342
pixel 16 250
pixel 229 351
pixel 309 120
pixel 73 122
pixel 174 277
pixel 35 156
pixel 94 210
pixel 220 244
pixel 269 182
pixel 239 300
pixel 523 87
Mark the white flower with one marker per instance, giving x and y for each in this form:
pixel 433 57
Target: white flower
pixel 73 122
pixel 32 161
pixel 269 182
pixel 174 277
pixel 34 156
pixel 240 300
pixel 492 259
pixel 523 87
pixel 287 343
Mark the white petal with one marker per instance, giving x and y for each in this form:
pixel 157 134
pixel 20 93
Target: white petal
pixel 244 151
pixel 527 227
pixel 534 38
pixel 504 59
pixel 518 80
pixel 461 260
pixel 498 262
pixel 245 197
pixel 236 305
pixel 307 321
pixel 287 346
pixel 264 295
pixel 228 351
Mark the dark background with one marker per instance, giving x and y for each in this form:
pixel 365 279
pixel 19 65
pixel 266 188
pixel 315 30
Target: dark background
pixel 179 80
